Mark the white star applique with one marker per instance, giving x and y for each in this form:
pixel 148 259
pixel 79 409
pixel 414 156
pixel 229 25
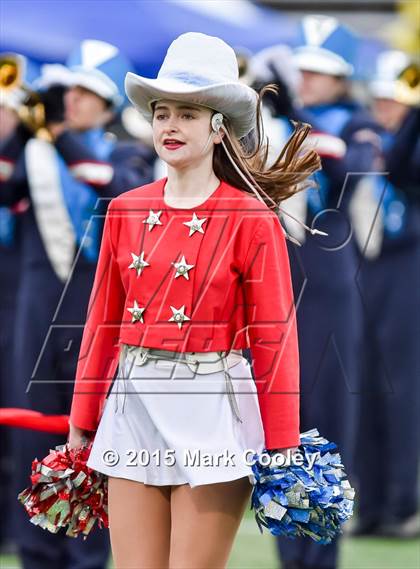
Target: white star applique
pixel 137 312
pixel 138 263
pixel 182 268
pixel 153 219
pixel 195 224
pixel 178 316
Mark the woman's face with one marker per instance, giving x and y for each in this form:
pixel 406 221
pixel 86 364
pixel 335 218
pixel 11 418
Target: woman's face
pixel 181 132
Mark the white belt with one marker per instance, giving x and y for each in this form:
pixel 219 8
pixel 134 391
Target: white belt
pixel 198 362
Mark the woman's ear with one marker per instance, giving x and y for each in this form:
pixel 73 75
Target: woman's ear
pixel 218 137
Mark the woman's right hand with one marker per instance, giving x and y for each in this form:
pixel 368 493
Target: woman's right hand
pixel 78 437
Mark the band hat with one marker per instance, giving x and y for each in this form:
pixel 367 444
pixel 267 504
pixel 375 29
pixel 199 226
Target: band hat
pixel 202 70
pixel 384 90
pixel 324 45
pixel 319 60
pixel 98 83
pixel 99 67
pixel 274 63
pixel 389 65
pixel 53 74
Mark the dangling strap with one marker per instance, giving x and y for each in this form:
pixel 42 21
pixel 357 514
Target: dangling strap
pixel 284 212
pixel 121 375
pixel 229 387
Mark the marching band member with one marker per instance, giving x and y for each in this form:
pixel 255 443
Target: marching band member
pixel 12 95
pixel 65 171
pixel 390 284
pixel 324 270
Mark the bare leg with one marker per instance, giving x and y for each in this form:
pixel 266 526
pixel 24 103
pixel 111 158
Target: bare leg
pixel 205 520
pixel 139 523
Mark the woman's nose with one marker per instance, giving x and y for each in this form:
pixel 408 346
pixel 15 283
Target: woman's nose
pixel 172 124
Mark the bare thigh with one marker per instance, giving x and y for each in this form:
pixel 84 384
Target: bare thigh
pixel 205 520
pixel 139 524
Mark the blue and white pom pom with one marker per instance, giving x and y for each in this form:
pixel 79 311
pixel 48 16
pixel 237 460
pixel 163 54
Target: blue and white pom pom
pixel 307 497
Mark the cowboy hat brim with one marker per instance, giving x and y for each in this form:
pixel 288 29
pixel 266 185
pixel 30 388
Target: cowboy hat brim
pixel 234 100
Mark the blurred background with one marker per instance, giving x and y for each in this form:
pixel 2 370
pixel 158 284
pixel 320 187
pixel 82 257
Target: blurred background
pixel 351 70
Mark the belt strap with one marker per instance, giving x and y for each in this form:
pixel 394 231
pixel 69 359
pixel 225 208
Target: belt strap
pixel 121 374
pixel 144 354
pixel 229 388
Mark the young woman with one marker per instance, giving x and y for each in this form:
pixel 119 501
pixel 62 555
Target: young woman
pixel 193 268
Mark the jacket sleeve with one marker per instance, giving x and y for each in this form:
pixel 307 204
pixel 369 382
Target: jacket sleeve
pixel 272 332
pixel 402 158
pixel 13 182
pixel 108 177
pixel 98 357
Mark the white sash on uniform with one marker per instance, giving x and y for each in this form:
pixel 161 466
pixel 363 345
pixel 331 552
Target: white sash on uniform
pixel 54 222
pixel 366 217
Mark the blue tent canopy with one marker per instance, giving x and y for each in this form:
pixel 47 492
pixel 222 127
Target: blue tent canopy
pixel 47 30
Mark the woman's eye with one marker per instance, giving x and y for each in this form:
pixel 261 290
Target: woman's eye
pixel 163 115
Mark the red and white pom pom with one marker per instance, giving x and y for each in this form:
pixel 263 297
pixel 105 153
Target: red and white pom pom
pixel 65 492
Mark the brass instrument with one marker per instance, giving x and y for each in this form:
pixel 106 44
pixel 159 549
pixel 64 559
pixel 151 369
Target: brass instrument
pixel 408 85
pixel 242 64
pixel 31 109
pixel 242 58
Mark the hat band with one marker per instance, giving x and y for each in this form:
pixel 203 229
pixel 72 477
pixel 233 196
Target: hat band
pixel 189 78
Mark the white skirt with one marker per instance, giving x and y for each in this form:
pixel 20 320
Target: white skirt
pixel 166 425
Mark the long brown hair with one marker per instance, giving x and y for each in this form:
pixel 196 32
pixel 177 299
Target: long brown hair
pixel 286 176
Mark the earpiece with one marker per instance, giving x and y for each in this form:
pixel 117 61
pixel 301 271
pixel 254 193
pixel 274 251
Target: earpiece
pixel 216 122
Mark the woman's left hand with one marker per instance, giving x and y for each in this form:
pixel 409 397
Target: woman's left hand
pixel 78 437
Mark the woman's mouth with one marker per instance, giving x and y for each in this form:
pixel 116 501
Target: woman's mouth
pixel 173 144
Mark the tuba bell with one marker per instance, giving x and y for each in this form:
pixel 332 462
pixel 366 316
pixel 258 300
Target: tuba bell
pixel 26 102
pixel 408 85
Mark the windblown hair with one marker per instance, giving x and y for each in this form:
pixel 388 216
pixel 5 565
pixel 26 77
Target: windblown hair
pixel 286 176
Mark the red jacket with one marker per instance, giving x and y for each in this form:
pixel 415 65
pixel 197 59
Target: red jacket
pixel 238 294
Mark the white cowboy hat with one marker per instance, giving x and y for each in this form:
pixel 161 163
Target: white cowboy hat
pixel 198 69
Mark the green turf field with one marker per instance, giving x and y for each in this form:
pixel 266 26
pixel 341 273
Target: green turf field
pixel 252 551
pixel 255 551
